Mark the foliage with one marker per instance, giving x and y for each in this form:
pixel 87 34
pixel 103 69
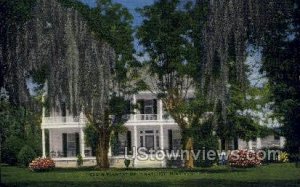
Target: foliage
pixel 281 45
pixel 79 160
pixel 244 159
pixel 42 164
pixel 127 163
pixel 111 22
pixel 19 127
pixel 115 144
pixel 283 157
pixel 166 35
pixel 91 137
pixel 205 140
pixel 243 113
pixel 26 155
pixel 10 149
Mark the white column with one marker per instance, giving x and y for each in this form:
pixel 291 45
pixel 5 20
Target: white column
pixel 43 109
pixel 50 143
pixel 250 145
pixel 44 143
pixel 134 145
pixel 160 105
pixel 109 150
pixel 282 141
pixel 82 143
pixel 134 110
pixel 161 134
pixel 258 143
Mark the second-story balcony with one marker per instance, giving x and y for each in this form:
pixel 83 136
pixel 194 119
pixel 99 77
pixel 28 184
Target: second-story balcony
pixel 149 117
pixel 76 120
pixel 63 122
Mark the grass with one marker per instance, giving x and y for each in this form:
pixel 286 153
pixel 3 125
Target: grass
pixel 268 175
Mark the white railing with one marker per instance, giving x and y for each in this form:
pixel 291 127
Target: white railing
pixel 130 117
pixel 67 119
pixel 149 117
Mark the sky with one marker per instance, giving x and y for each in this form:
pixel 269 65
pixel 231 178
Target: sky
pixel 130 4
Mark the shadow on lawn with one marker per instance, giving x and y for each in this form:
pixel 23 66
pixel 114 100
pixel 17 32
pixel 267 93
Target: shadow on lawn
pixel 194 182
pixel 145 170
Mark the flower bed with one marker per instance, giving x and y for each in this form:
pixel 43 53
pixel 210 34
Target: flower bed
pixel 244 159
pixel 42 164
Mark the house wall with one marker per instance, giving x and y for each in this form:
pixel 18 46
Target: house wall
pixel 265 142
pixel 175 135
pixel 55 138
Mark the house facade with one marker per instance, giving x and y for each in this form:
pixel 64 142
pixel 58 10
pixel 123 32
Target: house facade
pixel 149 127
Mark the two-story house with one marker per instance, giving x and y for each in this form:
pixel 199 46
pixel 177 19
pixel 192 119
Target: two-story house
pixel 149 126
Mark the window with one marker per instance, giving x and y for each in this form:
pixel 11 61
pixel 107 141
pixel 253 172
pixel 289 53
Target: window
pixel 157 141
pixel 276 137
pixel 71 144
pixel 148 108
pixel 141 141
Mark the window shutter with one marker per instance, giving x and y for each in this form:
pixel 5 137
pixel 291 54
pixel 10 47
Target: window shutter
pixel 129 140
pixel 64 139
pixel 141 106
pixel 170 139
pixel 77 144
pixel 128 107
pixel 155 106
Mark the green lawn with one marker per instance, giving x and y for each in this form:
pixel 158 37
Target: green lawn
pixel 269 175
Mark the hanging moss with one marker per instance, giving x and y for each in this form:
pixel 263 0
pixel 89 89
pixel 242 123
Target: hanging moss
pixel 56 44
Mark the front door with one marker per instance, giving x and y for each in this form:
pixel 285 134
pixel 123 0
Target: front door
pixel 149 142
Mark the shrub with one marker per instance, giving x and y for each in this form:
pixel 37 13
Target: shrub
pixel 127 162
pixel 26 155
pixel 79 161
pixel 283 157
pixel 10 150
pixel 273 157
pixel 204 141
pixel 174 162
pixel 42 164
pixel 244 159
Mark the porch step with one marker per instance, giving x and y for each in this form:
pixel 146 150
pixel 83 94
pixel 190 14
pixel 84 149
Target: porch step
pixel 148 163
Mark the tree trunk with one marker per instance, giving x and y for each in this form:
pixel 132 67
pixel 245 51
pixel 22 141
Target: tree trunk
pixel 102 151
pixel 189 159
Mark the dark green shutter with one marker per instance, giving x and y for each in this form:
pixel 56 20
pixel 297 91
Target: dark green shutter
pixel 141 106
pixel 128 107
pixel 155 106
pixel 64 139
pixel 236 143
pixel 77 144
pixel 170 138
pixel 129 140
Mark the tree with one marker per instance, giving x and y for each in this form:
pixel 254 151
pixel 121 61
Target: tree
pixel 113 23
pixel 166 36
pixel 281 46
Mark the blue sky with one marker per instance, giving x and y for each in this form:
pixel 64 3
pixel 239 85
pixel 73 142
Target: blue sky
pixel 130 4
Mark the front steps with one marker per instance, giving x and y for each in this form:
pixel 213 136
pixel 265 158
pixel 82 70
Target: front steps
pixel 149 163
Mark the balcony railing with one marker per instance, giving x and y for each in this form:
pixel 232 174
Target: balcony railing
pixel 148 117
pixel 67 119
pixel 82 120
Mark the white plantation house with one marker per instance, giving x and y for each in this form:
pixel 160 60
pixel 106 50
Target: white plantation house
pixel 150 126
